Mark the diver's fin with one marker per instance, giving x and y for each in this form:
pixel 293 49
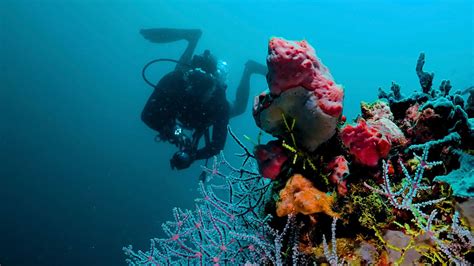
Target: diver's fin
pixel 255 67
pixel 164 35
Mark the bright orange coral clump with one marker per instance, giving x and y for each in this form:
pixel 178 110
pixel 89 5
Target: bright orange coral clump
pixel 300 196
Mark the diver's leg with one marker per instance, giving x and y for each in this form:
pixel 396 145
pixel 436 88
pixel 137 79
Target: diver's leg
pixel 243 90
pixel 165 35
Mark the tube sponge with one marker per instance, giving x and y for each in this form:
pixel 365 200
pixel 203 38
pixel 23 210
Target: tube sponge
pixel 462 179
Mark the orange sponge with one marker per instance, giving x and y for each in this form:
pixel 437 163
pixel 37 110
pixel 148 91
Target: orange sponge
pixel 300 196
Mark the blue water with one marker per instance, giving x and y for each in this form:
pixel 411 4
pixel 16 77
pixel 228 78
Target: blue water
pixel 80 174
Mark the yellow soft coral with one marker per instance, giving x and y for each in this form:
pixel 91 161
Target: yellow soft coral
pixel 300 196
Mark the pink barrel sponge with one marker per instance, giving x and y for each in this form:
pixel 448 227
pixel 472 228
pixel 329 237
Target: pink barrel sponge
pixel 294 63
pixel 301 90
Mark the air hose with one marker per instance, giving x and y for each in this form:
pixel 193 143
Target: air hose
pixel 155 61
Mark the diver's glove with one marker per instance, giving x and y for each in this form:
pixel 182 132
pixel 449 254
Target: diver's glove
pixel 181 160
pixel 180 139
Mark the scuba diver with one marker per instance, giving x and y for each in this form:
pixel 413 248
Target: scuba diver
pixel 193 98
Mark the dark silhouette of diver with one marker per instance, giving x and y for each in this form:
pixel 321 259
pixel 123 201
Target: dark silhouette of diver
pixel 193 98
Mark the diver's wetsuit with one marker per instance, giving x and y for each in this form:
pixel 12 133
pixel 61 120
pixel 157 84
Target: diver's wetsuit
pixel 170 103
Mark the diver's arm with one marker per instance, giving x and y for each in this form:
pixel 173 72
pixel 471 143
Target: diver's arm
pixel 243 90
pixel 159 112
pixel 165 35
pixel 219 135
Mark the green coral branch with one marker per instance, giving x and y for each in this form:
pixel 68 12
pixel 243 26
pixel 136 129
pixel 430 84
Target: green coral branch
pixel 294 148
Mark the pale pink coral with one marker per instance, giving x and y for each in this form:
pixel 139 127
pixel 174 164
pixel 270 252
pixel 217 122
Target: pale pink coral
pixel 390 130
pixel 417 124
pixel 412 113
pixel 376 110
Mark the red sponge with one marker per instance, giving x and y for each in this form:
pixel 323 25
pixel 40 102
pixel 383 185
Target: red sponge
pixel 365 143
pixel 270 159
pixel 294 63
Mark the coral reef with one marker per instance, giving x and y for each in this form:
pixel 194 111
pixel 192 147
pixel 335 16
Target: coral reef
pixel 396 186
pixel 394 178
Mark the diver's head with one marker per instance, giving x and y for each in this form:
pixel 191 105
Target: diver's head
pixel 201 78
pixel 199 82
pixel 206 61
